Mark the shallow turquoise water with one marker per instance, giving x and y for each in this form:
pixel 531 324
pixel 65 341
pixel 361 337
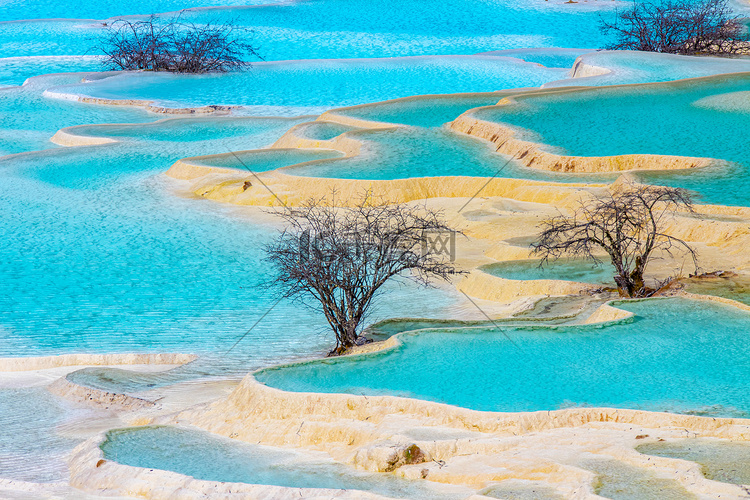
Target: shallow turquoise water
pixel 564 269
pixel 321 130
pixel 29 120
pixel 670 358
pixel 422 112
pixel 103 9
pixel 660 119
pixel 553 57
pixel 15 70
pixel 737 288
pixel 264 160
pixel 105 258
pixel 213 458
pixel 427 152
pixel 637 67
pixel 181 130
pixel 299 87
pixel 620 481
pixel 26 444
pixel 725 461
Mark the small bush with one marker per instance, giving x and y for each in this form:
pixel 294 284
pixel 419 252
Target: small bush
pixel 176 46
pixel 679 27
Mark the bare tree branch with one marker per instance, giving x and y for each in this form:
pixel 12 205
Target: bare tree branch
pixel 628 225
pixel 337 259
pixel 176 46
pixel 685 27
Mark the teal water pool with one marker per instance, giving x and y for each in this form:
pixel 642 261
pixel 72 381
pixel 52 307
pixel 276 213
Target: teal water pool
pixel 620 481
pixel 669 358
pixel 105 258
pixel 213 458
pixel 264 160
pixel 338 28
pixel 32 449
pixel 311 87
pixel 649 119
pixel 421 111
pixel 29 119
pixel 321 130
pixel 630 66
pixel 725 461
pixel 181 130
pixel 406 152
pixel 581 271
pixel 734 288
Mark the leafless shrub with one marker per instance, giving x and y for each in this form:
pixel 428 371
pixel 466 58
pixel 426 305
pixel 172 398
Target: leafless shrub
pixel 628 225
pixel 679 27
pixel 176 46
pixel 337 259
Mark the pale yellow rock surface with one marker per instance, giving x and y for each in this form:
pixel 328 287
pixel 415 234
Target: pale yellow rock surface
pixel 606 313
pixel 484 286
pixel 43 362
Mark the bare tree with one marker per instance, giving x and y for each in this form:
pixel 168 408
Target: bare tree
pixel 176 46
pixel 629 225
pixel 337 259
pixel 685 27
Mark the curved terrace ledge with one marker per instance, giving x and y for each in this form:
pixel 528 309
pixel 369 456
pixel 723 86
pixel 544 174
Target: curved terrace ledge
pixel 366 431
pixel 148 105
pixel 45 362
pixel 532 155
pixel 89 471
pixel 213 183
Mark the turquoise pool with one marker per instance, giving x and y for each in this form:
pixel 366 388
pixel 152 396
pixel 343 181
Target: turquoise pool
pixel 214 458
pixel 29 119
pixel 725 461
pixel 181 130
pixel 421 111
pixel 582 271
pixel 620 481
pixel 341 28
pixel 670 358
pixel 735 288
pixel 32 449
pixel 653 119
pixel 311 87
pixel 264 160
pixel 321 130
pixel 105 258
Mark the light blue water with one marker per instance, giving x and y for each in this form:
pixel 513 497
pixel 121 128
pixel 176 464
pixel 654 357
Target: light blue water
pixel 366 28
pixel 425 152
pixel 103 9
pixel 640 67
pixel 654 119
pixel 29 119
pixel 181 130
pixel 15 70
pixel 261 161
pixel 27 444
pixel 314 86
pixel 581 271
pixel 726 461
pixel 553 57
pixel 212 458
pixel 620 481
pixel 321 130
pixel 422 111
pixel 671 358
pixel 105 258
